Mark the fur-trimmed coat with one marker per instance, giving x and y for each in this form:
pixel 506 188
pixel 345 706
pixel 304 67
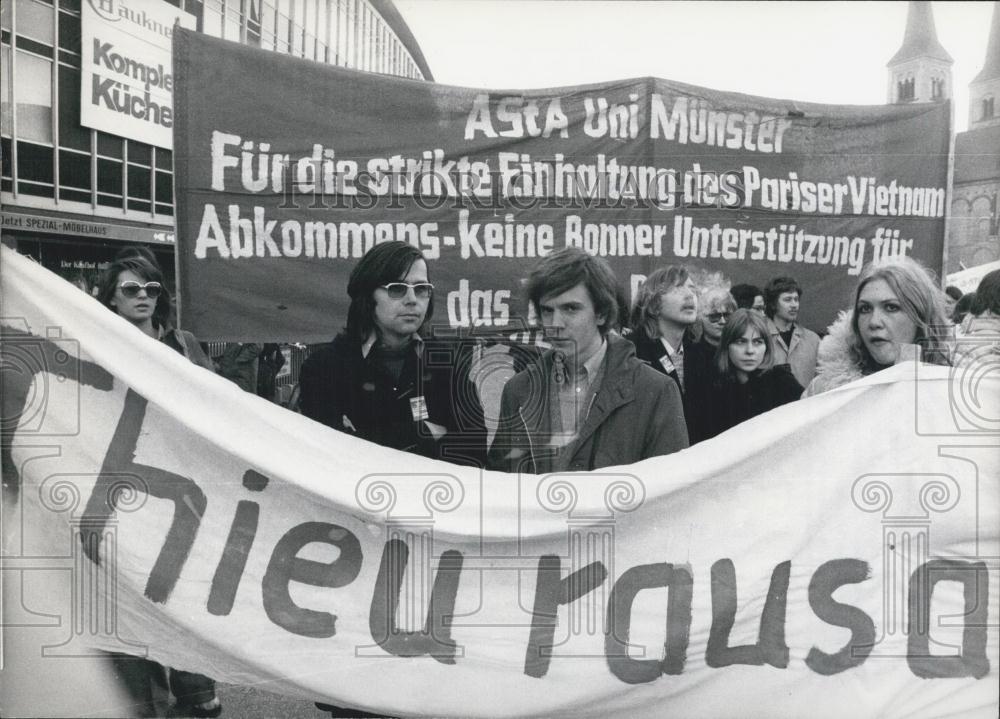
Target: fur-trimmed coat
pixel 839 365
pixel 836 363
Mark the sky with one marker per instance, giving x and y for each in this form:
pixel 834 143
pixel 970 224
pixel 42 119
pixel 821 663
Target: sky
pixel 829 52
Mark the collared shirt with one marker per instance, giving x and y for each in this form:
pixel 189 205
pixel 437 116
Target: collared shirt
pixel 373 338
pixel 676 358
pixel 390 360
pixel 572 396
pixel 786 336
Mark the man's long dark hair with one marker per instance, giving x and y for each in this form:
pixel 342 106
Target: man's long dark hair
pixel 384 263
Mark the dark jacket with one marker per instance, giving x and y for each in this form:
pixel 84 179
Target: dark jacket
pixel 344 390
pixel 238 363
pixel 731 402
pixel 698 375
pixel 635 414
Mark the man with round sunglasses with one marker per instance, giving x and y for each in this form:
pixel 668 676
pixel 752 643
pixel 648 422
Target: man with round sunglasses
pixel 381 380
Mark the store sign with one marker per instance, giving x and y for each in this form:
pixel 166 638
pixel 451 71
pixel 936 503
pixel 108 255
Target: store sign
pixel 60 226
pixel 127 81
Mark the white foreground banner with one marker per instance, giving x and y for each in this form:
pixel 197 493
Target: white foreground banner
pixel 837 556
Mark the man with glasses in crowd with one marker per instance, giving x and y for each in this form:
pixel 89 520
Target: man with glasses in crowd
pixel 793 344
pixel 381 380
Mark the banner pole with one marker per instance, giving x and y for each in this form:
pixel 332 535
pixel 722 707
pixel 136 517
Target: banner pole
pixel 948 193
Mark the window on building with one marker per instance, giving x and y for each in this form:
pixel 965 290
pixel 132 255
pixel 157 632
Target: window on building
pixel 357 36
pixel 987 108
pixel 343 31
pixel 74 175
pixel 139 176
pixel 905 89
pixel 282 33
pixel 164 182
pixel 233 21
pixel 367 38
pixel 33 93
pixel 35 169
pixel 267 25
pixel 110 169
pixel 322 25
pixel 110 146
pixel 253 20
pixel 305 12
pixel 71 133
pixel 69 38
pixel 384 60
pixel 937 88
pixel 6 109
pixel 211 18
pixel 6 165
pixel 35 21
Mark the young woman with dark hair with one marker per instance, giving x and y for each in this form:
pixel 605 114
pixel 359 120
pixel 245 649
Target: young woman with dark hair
pixel 381 380
pixel 747 384
pixel 132 287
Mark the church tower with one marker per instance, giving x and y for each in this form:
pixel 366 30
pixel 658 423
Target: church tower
pixel 920 71
pixel 984 90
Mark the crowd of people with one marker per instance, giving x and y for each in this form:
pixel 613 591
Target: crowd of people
pixel 691 357
pixel 689 360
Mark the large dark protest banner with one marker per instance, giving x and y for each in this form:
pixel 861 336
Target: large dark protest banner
pixel 287 177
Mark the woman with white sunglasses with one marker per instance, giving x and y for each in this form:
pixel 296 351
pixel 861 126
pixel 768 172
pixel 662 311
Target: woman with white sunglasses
pixel 132 287
pixel 385 380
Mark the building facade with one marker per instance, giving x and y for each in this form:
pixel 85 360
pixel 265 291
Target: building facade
pixel 920 71
pixel 73 195
pixel 974 231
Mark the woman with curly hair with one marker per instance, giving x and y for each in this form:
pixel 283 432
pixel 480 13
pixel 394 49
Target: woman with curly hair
pixel 715 306
pixel 896 304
